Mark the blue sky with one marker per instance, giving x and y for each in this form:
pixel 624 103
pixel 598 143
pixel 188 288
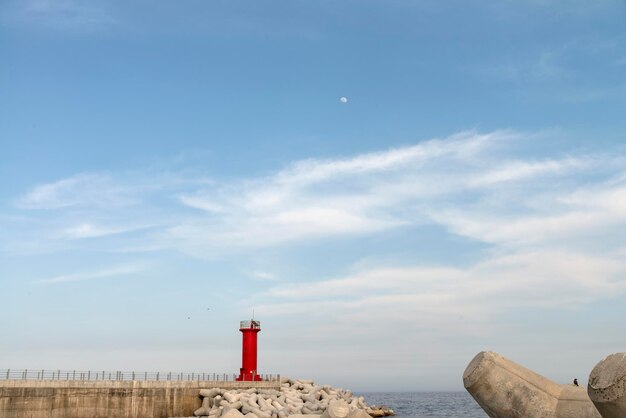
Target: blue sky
pixel 170 160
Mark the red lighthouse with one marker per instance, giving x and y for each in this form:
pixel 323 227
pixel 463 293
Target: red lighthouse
pixel 248 370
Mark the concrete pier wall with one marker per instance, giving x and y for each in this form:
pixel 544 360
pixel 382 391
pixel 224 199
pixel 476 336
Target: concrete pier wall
pixel 107 399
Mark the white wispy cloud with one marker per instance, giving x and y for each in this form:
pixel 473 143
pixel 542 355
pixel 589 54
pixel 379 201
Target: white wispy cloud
pixel 587 212
pixel 67 15
pixel 418 295
pixel 320 198
pixel 263 275
pixel 474 185
pixel 469 183
pixel 107 273
pixel 85 189
pixel 540 67
pixel 520 170
pixel 90 230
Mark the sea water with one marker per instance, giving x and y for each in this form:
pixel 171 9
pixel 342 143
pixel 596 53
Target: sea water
pixel 427 404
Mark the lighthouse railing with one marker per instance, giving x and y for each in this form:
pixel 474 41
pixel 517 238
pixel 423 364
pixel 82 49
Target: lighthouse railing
pixel 103 375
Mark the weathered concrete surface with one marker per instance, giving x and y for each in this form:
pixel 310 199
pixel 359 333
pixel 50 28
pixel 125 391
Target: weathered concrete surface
pixel 337 408
pixel 607 386
pixel 107 399
pixel 505 389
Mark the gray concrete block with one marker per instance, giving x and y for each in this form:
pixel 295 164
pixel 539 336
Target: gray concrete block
pixel 505 389
pixel 607 386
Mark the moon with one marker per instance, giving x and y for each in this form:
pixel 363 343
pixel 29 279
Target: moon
pixel 343 99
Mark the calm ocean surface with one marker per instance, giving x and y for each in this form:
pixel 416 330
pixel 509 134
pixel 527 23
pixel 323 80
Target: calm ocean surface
pixel 427 404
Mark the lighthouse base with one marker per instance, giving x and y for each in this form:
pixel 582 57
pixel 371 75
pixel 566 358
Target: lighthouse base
pixel 245 376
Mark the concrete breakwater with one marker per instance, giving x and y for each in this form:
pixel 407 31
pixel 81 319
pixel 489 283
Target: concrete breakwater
pixel 294 398
pixel 108 399
pixel 162 399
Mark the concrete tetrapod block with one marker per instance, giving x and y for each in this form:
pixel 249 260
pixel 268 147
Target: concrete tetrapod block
pixel 359 413
pixel 232 413
pixel 210 393
pixel 303 416
pixel 607 386
pixel 204 409
pixel 505 389
pixel 337 409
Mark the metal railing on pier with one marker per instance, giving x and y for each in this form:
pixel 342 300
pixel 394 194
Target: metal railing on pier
pixel 30 374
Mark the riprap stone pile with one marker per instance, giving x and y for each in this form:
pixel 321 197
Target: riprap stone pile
pixel 295 399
